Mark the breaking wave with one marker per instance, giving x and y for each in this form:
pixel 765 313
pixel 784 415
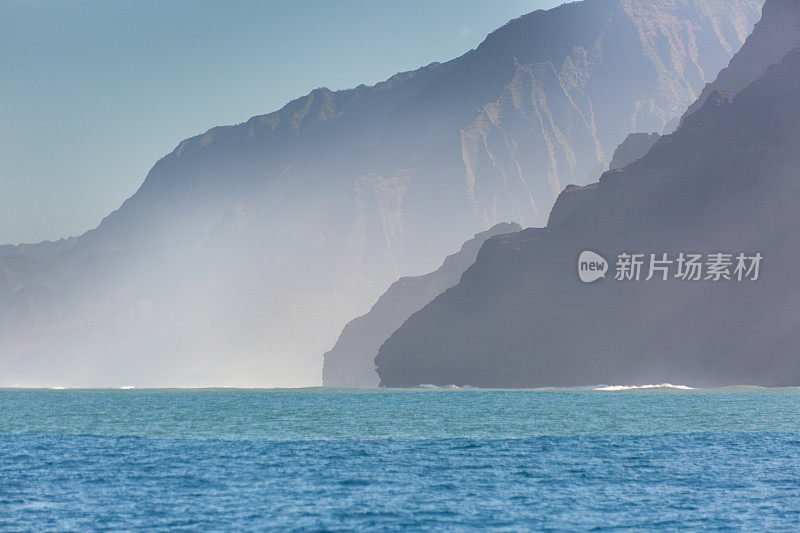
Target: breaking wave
pixel 613 388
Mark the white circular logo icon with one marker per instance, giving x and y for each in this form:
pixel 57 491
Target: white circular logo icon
pixel 591 266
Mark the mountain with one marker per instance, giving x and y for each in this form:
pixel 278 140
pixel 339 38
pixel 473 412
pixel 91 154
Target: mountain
pixel 725 182
pixel 248 247
pixel 351 362
pixel 776 34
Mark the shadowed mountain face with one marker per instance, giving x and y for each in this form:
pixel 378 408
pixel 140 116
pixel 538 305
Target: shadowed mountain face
pixel 351 362
pixel 248 247
pixel 633 148
pixel 776 34
pixel 727 181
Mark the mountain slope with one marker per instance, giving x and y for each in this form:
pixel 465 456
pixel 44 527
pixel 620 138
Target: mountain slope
pixel 632 148
pixel 350 363
pixel 725 181
pixel 248 248
pixel 773 37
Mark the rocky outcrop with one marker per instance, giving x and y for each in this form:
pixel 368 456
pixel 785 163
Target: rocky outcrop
pixel 570 199
pixel 633 148
pixel 726 181
pixel 345 191
pixel 351 362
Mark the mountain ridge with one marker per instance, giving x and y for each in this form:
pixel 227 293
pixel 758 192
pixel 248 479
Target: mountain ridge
pixel 726 180
pixel 763 48
pixel 338 204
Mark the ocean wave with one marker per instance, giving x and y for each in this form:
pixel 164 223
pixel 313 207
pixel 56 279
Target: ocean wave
pixel 614 388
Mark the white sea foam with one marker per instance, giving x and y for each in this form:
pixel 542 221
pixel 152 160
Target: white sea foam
pixel 613 388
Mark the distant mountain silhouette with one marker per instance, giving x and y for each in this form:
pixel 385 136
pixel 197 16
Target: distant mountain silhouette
pixel 728 180
pixel 248 247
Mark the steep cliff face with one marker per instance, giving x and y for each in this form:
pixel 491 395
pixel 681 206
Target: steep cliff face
pixel 727 181
pixel 339 193
pixel 773 37
pixel 351 362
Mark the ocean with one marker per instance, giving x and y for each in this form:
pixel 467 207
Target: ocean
pixel 661 458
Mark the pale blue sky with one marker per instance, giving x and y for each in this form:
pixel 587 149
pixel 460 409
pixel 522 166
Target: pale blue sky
pixel 94 92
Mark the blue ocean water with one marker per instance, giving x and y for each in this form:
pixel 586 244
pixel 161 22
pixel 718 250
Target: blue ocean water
pixel 322 459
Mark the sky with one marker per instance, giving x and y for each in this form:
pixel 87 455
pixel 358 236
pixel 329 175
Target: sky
pixel 93 92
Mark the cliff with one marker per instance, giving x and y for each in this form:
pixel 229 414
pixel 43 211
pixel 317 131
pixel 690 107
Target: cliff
pixel 774 36
pixel 351 362
pixel 725 181
pixel 248 247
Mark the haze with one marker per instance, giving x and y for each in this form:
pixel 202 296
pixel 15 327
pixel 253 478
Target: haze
pixel 94 93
